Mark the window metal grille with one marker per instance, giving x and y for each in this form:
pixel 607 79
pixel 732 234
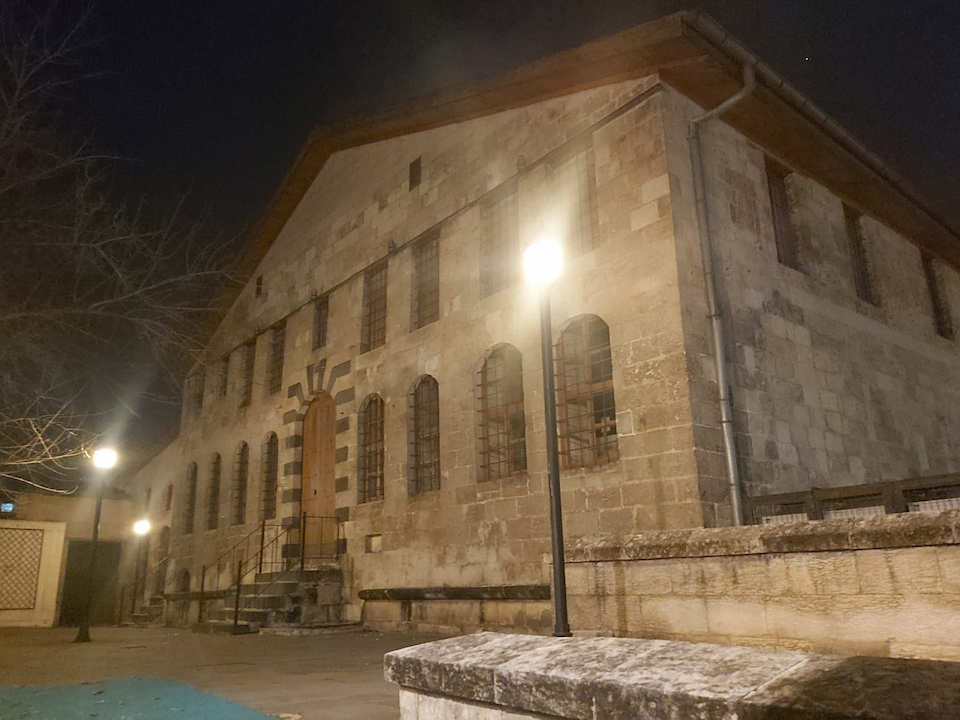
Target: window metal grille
pixel 499 244
pixel 190 499
pixel 575 188
pixel 168 498
pixel 784 232
pixel 425 437
pixel 249 356
pixel 213 494
pixel 240 476
pixel 198 388
pixel 20 553
pixel 271 467
pixel 223 376
pixel 425 305
pixel 374 330
pixel 278 339
pixel 858 257
pixel 941 309
pixel 370 454
pixel 258 288
pixel 321 309
pixel 503 441
pixel 586 411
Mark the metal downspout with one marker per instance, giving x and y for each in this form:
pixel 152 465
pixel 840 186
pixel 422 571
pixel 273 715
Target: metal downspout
pixel 713 305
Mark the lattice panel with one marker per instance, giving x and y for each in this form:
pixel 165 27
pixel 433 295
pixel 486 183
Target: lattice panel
pixel 20 551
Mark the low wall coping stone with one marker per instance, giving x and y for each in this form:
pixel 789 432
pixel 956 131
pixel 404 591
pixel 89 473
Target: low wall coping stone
pixel 464 592
pixel 885 531
pixel 621 678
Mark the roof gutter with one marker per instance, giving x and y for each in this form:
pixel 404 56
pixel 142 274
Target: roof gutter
pixel 715 34
pixel 724 385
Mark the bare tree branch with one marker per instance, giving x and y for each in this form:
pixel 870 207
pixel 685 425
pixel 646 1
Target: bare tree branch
pixel 91 293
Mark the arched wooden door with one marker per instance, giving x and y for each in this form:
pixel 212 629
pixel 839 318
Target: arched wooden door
pixel 318 483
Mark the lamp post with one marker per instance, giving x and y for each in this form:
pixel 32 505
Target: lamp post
pixel 542 263
pixel 103 459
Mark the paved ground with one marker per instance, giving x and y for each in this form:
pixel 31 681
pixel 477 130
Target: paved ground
pixel 321 677
pixel 126 699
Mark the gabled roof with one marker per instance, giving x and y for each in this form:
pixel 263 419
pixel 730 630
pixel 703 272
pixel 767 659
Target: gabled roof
pixel 692 54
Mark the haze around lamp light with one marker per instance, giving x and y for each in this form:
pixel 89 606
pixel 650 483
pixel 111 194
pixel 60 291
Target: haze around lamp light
pixel 141 527
pixel 543 262
pixel 105 458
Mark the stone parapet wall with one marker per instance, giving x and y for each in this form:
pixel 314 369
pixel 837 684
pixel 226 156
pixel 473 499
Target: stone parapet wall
pixel 887 586
pixel 488 676
pixel 451 617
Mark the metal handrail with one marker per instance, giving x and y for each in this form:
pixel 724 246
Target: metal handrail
pixel 231 550
pixel 238 549
pixel 892 494
pixel 302 528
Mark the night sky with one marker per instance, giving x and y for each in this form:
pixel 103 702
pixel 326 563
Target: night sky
pixel 213 99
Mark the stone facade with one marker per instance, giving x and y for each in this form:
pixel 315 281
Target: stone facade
pixel 829 389
pixel 877 586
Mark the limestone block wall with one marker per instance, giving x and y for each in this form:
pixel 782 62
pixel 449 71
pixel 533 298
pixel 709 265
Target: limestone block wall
pixel 885 586
pixel 454 617
pixel 491 676
pixel 829 390
pixel 359 211
pixel 163 474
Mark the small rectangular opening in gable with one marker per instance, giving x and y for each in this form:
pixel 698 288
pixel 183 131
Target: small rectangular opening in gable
pixel 415 173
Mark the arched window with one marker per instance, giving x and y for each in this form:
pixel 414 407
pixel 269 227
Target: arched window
pixel 183 581
pixel 213 494
pixel 271 465
pixel 241 469
pixel 190 499
pixel 502 431
pixel 586 412
pixel 424 434
pixel 370 449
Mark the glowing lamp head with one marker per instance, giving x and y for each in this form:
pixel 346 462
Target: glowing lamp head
pixel 141 527
pixel 105 458
pixel 542 262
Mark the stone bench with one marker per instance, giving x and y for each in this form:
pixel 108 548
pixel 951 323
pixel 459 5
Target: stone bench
pixel 492 676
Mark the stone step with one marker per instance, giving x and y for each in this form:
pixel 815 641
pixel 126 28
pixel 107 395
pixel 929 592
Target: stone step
pixel 143 618
pixel 316 574
pixel 323 614
pixel 221 626
pixel 255 615
pixel 281 588
pixel 306 630
pixel 267 602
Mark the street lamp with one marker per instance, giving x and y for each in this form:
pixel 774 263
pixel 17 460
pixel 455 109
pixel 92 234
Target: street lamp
pixel 141 527
pixel 103 459
pixel 542 263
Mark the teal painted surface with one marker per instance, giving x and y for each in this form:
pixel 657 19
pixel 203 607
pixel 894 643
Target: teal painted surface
pixel 133 699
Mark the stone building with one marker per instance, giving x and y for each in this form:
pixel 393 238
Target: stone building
pixel 381 364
